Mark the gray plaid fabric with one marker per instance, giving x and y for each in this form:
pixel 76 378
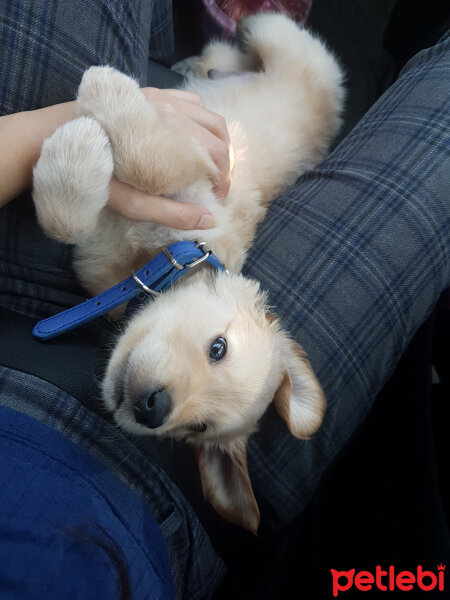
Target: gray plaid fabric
pixel 48 44
pixel 354 257
pixel 45 46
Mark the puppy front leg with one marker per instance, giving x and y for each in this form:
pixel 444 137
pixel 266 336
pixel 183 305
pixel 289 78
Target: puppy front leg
pixel 149 152
pixel 71 180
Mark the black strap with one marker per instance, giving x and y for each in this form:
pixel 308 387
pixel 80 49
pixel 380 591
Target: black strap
pixel 162 77
pixel 74 364
pixel 69 363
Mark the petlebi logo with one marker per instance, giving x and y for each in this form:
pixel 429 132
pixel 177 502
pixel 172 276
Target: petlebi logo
pixel 388 580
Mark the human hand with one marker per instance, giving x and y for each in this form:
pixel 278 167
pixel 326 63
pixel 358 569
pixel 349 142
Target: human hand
pixel 183 110
pixel 22 135
pixel 139 206
pixel 186 110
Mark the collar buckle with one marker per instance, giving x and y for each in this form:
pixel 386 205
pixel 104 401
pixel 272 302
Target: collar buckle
pixel 191 265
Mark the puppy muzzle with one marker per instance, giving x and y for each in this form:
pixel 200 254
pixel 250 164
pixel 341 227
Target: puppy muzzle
pixel 152 408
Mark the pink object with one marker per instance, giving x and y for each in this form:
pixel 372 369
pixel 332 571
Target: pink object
pixel 226 13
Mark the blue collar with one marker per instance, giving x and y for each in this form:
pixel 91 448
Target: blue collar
pixel 156 276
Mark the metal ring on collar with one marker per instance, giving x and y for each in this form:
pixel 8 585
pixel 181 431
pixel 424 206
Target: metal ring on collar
pixel 196 262
pixel 192 264
pixel 172 259
pixel 143 286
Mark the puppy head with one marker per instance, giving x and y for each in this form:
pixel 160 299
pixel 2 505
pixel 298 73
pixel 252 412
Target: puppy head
pixel 201 363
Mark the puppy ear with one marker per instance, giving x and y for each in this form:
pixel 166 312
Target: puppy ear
pixel 226 484
pixel 299 399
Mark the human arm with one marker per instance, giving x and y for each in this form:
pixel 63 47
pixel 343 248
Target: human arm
pixel 22 135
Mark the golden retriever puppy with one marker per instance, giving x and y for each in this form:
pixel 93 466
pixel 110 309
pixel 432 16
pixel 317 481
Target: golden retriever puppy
pixel 202 361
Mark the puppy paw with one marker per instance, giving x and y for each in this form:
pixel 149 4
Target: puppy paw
pixel 71 180
pixel 223 56
pixel 187 67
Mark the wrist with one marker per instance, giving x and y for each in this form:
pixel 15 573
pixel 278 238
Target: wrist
pixel 43 122
pixel 21 138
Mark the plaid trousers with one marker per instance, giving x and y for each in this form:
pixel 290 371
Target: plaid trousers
pixel 354 257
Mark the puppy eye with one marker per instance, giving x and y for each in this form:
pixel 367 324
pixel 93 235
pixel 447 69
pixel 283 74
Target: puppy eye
pixel 198 427
pixel 218 349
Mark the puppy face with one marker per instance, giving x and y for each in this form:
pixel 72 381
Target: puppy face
pixel 201 363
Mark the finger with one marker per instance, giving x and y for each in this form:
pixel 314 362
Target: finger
pixel 223 158
pixel 190 105
pixel 156 95
pixel 138 206
pixel 220 154
pixel 211 121
pixel 211 129
pixel 222 185
pixel 186 96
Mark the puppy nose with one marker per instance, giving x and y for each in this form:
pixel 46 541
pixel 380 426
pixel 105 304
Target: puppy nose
pixel 152 408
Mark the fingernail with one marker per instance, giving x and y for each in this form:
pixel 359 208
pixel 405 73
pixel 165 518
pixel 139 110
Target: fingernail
pixel 206 222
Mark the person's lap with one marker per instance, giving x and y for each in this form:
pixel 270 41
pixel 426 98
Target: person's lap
pixel 53 43
pixel 354 257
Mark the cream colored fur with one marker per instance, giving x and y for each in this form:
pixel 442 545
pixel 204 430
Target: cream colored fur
pixel 281 119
